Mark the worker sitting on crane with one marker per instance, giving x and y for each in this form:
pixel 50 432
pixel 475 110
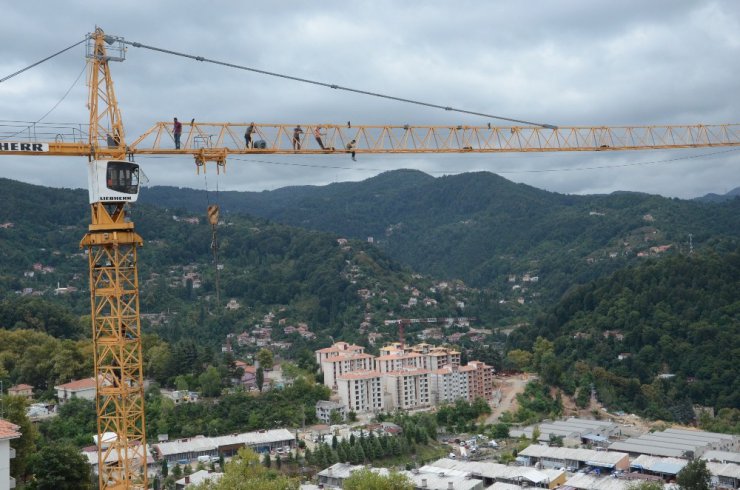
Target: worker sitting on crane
pixel 351 148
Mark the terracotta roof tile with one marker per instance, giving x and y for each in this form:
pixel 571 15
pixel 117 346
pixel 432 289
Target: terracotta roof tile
pixel 8 430
pixel 20 387
pixel 80 384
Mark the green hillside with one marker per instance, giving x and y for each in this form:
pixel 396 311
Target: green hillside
pixel 482 228
pixel 292 274
pixel 654 339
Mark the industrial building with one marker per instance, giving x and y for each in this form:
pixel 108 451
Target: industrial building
pixel 189 449
pixel 491 473
pixel 574 431
pixel 574 459
pixel 677 443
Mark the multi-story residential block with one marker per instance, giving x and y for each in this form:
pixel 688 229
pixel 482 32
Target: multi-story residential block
pixel 407 389
pixel 396 360
pixel 448 384
pixel 324 409
pixel 480 380
pixel 334 366
pixel 402 377
pixel 338 348
pixel 361 391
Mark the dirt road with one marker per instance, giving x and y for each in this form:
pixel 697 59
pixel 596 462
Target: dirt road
pixel 505 397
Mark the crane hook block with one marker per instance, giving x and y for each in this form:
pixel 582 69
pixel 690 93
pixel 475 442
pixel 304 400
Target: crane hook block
pixel 213 214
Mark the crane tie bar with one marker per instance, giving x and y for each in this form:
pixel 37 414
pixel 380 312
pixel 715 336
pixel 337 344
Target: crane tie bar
pixel 333 86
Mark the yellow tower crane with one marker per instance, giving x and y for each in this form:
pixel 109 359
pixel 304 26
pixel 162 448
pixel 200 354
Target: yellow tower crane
pixel 113 183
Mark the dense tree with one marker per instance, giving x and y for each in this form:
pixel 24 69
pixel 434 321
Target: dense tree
pixel 694 476
pixel 210 382
pixel 265 358
pixel 260 378
pixel 60 467
pixel 365 479
pixel 245 473
pixel 25 446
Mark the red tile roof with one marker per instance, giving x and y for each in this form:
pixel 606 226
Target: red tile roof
pixel 8 430
pixel 20 387
pixel 80 384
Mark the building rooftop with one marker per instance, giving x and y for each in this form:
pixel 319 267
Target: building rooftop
pixel 591 482
pixel 390 357
pixel 199 477
pixel 499 471
pixel 8 430
pixel 728 470
pixel 572 427
pixel 346 357
pixel 440 478
pixel 673 442
pixel 20 387
pixel 77 385
pixel 341 347
pixel 668 466
pixel 408 372
pixel 721 456
pixel 204 444
pixel 361 374
pixel 591 457
pixel 644 448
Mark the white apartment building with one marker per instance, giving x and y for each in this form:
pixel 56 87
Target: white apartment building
pixel 337 349
pixel 361 391
pixel 406 389
pixel 424 355
pixel 449 384
pixel 8 431
pixel 397 360
pixel 334 366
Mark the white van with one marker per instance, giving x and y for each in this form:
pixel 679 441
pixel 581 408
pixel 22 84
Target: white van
pixel 204 459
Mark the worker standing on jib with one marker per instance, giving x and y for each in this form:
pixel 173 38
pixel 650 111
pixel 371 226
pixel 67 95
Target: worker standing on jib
pixel 178 133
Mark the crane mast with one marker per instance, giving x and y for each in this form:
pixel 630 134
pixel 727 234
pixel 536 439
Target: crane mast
pixel 111 244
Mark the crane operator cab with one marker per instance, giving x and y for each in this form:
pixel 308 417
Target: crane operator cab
pixel 113 181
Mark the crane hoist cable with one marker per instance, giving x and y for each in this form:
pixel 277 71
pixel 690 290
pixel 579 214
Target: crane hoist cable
pixel 334 86
pixel 212 212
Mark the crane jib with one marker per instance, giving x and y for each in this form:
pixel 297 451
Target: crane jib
pixel 30 147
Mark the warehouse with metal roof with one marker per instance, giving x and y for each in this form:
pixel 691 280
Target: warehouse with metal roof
pixel 678 443
pixel 558 457
pixel 491 473
pixel 572 429
pixel 189 449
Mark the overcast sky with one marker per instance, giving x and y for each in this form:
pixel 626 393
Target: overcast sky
pixel 566 62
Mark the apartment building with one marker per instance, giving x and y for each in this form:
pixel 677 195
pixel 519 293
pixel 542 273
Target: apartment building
pixel 403 377
pixel 361 391
pixel 407 389
pixel 480 380
pixel 334 366
pixel 397 360
pixel 448 384
pixel 337 349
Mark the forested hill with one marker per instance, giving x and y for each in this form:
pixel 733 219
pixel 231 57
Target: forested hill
pixel 298 275
pixel 654 339
pixel 483 228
